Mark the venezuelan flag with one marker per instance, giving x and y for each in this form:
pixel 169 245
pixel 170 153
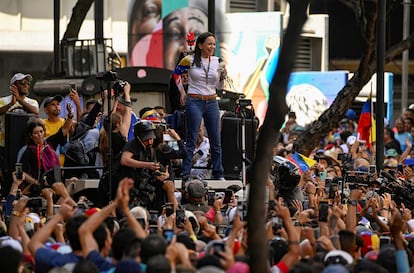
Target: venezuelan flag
pixel 366 124
pixel 182 67
pixel 302 162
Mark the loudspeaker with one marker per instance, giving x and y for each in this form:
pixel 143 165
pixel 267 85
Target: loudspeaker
pixel 231 143
pixel 15 137
pixel 15 125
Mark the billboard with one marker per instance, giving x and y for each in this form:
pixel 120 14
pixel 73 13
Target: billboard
pixel 157 30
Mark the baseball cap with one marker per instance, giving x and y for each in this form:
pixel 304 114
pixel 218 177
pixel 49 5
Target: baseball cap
pixel 390 163
pixel 19 77
pixel 50 99
pixel 350 114
pixel 391 153
pixel 152 115
pixel 195 188
pixel 140 213
pixel 351 140
pixel 9 241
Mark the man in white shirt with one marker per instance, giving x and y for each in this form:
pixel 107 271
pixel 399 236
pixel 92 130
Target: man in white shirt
pixel 17 101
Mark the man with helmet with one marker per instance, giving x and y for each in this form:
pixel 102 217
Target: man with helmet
pixel 139 162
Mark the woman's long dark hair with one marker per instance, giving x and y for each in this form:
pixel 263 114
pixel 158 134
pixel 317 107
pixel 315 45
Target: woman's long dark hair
pixel 32 123
pixel 197 51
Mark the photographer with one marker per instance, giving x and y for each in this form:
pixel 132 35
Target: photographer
pixel 121 101
pixel 286 180
pixel 139 162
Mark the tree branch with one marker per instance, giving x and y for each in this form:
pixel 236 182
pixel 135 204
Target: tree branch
pixel 329 119
pixel 399 48
pixel 79 12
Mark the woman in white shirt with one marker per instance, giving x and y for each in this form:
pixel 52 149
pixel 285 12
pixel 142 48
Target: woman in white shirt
pixel 205 75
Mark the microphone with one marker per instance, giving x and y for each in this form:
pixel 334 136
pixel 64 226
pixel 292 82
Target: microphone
pixel 387 175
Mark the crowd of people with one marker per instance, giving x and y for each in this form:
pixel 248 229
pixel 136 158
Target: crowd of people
pixel 336 213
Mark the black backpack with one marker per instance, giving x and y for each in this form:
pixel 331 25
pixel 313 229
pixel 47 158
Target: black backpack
pixel 76 152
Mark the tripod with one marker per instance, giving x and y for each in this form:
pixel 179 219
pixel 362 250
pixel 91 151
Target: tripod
pixel 109 78
pixel 244 108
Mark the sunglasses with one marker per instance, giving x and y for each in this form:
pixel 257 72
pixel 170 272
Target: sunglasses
pixel 23 83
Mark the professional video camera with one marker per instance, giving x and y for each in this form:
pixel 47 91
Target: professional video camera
pixel 110 77
pixel 357 179
pixel 143 192
pixel 286 177
pixel 244 108
pixel 401 191
pixel 346 160
pixel 119 87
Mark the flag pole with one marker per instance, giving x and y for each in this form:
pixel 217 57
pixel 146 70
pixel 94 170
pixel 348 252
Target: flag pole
pixel 371 138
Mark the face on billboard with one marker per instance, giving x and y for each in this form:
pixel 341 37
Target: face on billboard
pixel 176 26
pixel 145 15
pixel 158 29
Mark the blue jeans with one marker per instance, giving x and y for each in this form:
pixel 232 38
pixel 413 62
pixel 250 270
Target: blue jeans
pixel 197 109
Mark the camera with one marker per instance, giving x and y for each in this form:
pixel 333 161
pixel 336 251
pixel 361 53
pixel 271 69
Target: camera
pixel 286 178
pixel 344 157
pixel 118 87
pixel 244 108
pixel 160 171
pixel 245 102
pixel 108 76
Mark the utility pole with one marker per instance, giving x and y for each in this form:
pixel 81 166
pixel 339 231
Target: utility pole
pixel 56 37
pixel 212 16
pixel 405 54
pixel 381 17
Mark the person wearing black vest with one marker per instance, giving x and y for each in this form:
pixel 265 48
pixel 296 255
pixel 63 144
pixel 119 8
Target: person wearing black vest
pixel 139 162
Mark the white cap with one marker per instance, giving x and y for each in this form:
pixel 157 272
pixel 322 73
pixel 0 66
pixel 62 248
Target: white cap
pixel 19 77
pixel 9 241
pixel 351 140
pixel 140 212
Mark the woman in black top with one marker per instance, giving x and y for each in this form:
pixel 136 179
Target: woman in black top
pixel 118 142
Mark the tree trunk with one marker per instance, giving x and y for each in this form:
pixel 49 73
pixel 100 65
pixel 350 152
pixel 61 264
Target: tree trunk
pixel 277 109
pixel 79 12
pixel 330 118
